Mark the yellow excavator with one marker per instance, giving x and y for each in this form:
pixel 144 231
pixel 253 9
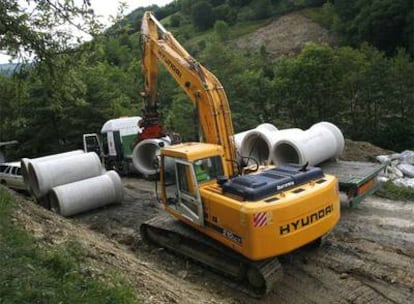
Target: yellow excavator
pixel 235 220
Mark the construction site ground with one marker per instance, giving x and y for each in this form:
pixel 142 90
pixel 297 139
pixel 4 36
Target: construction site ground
pixel 368 258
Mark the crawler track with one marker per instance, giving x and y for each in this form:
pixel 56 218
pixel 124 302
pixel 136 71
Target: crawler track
pixel 253 278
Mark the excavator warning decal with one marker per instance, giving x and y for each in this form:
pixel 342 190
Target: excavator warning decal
pixel 260 219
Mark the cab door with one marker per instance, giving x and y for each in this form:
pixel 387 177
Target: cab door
pixel 189 201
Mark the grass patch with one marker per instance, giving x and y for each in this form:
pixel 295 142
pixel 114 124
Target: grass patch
pixel 247 27
pixel 324 15
pixel 235 31
pixel 30 274
pixel 391 191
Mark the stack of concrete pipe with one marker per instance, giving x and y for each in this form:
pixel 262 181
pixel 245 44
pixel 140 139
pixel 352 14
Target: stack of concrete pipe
pixel 267 144
pixel 71 182
pixel 146 154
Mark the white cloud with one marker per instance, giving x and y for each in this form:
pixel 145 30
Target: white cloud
pixel 109 8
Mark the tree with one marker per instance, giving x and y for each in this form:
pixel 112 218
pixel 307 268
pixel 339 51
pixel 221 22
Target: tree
pixel 226 13
pixel 202 15
pixel 222 30
pixel 386 24
pixel 262 9
pixel 175 20
pixel 42 30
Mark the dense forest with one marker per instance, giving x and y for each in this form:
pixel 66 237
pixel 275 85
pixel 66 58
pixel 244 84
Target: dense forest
pixel 365 84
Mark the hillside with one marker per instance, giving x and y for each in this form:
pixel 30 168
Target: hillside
pixel 286 35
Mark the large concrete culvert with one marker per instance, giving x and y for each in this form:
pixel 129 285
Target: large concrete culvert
pixel 87 194
pixel 47 174
pixel 319 143
pixel 26 161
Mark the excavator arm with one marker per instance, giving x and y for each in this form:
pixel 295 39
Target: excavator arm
pixel 200 85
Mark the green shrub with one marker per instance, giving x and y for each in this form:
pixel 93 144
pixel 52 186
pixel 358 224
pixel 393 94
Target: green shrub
pixel 391 191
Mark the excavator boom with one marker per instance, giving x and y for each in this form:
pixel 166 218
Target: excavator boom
pixel 201 86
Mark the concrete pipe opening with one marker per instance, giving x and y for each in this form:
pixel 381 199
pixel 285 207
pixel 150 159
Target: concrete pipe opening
pixel 54 202
pixel 286 153
pixel 258 143
pixel 336 133
pixel 47 174
pixel 24 166
pixel 87 194
pixel 145 155
pixel 255 146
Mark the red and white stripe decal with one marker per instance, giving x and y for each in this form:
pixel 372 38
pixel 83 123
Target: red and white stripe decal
pixel 260 219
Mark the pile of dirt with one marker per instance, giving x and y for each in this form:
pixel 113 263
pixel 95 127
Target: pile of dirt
pixel 362 151
pixel 286 36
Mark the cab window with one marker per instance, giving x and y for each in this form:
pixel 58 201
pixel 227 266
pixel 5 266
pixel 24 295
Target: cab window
pixel 14 170
pixel 208 168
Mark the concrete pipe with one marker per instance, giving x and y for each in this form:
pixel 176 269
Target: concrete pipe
pixel 50 173
pixel 87 194
pixel 258 142
pixel 238 139
pixel 25 163
pixel 146 152
pixel 321 142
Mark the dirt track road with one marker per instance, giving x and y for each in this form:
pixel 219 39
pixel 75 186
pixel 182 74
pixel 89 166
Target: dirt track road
pixel 368 258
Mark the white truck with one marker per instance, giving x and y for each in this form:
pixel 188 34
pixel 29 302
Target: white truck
pixel 115 144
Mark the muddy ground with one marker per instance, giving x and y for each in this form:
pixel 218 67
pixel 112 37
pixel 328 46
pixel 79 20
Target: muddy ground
pixel 368 258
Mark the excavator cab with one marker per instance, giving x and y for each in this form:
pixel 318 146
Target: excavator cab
pixel 185 169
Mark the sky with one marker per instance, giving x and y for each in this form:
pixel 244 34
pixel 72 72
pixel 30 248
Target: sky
pixel 105 9
pixel 109 7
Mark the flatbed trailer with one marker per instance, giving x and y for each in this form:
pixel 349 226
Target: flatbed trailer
pixel 357 180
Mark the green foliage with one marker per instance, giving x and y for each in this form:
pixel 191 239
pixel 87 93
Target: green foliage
pixel 33 274
pixel 44 31
pixel 262 9
pixel 182 118
pixel 226 13
pixel 222 30
pixel 175 20
pixel 324 15
pixel 356 89
pixel 386 24
pixel 202 15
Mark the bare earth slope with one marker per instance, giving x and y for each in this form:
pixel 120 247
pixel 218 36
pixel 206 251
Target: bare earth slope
pixel 285 36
